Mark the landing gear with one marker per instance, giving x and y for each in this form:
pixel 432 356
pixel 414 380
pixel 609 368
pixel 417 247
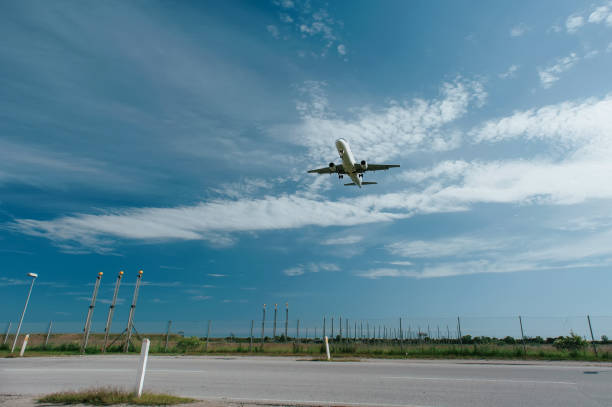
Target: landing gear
pixel 360 176
pixel 340 176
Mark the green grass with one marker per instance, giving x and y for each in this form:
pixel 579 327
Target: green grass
pixel 110 396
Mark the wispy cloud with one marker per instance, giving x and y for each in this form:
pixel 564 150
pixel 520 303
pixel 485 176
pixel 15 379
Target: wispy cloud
pixel 510 73
pixel 311 23
pixel 551 74
pixel 310 268
pixel 343 240
pixel 573 23
pixel 382 134
pixel 518 30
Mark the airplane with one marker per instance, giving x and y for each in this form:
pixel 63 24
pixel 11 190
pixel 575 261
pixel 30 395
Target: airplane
pixel 350 167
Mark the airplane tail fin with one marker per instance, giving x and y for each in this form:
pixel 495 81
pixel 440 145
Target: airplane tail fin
pixel 363 183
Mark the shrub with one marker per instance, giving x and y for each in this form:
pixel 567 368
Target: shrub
pixel 188 344
pixel 572 343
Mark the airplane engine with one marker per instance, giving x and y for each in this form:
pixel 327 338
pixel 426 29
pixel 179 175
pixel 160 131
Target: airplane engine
pixel 364 165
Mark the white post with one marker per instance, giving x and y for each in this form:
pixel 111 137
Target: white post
pixel 142 366
pixel 327 348
pixel 24 344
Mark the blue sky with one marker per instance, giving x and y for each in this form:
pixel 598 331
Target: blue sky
pixel 175 137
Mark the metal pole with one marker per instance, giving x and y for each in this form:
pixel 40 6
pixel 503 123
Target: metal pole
pixel 447 332
pixel 298 331
pixel 48 333
pixel 130 324
pixel 33 275
pixel 332 328
pixel 167 336
pixel 459 331
pixel 274 328
pixel 286 320
pixel 340 328
pixel 251 337
pixel 523 337
pixel 111 311
pixel 90 313
pixel 324 326
pixel 207 336
pixel 263 326
pixel 401 337
pixel 8 329
pixel 592 338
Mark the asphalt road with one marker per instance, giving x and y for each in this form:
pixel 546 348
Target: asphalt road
pixel 294 381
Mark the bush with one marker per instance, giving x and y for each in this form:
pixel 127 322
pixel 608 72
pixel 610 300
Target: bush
pixel 188 344
pixel 572 343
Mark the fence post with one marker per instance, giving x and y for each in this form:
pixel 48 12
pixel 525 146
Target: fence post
pixel 48 333
pixel 90 313
pixel 142 366
pixel 324 326
pixel 24 344
pixel 401 337
pixel 167 336
pixel 251 337
pixel 286 320
pixel 207 336
pixel 523 337
pixel 111 310
pixel 8 329
pixel 592 338
pixel 263 326
pixel 274 326
pixel 130 324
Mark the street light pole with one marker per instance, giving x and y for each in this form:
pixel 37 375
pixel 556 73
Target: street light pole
pixel 34 276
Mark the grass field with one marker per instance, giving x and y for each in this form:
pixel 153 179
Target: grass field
pixel 69 344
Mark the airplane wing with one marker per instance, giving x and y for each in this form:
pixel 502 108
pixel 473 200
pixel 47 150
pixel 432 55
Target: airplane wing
pixel 374 167
pixel 336 169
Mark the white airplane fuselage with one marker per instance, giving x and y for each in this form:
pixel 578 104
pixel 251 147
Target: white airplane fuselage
pixel 348 160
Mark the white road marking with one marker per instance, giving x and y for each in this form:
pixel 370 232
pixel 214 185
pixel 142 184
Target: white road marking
pixel 315 402
pixel 454 379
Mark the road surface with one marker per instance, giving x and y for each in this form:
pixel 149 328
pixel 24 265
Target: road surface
pixel 460 383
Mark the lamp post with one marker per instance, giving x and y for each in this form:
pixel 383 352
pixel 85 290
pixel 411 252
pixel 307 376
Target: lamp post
pixel 34 276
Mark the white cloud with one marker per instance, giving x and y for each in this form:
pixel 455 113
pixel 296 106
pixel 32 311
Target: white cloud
pixel 216 275
pixel 311 268
pixel 294 271
pixel 286 18
pixel 599 15
pixel 518 30
pixel 341 49
pixel 510 73
pixel 460 247
pixel 386 272
pixel 550 74
pixel 272 29
pixel 401 263
pixel 343 240
pixel 567 123
pixel 400 128
pixel 201 297
pixel 573 23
